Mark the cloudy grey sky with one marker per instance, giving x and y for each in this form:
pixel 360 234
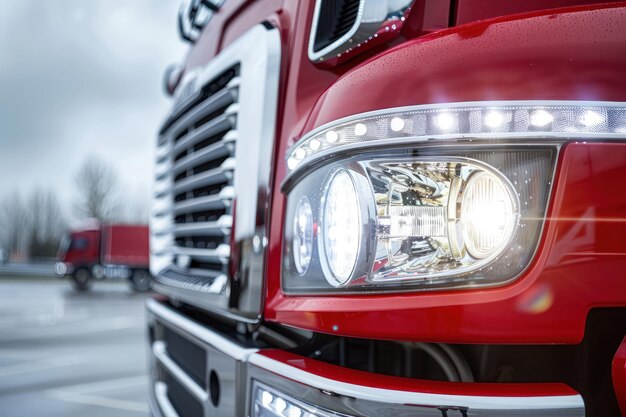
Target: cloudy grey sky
pixel 80 78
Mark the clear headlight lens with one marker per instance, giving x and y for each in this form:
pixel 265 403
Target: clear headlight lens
pixel 412 218
pixel 435 196
pixel 438 218
pixel 303 235
pixel 269 402
pixel 341 228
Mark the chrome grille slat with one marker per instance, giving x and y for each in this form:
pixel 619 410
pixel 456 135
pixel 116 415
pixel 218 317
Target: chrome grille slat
pixel 210 177
pixel 220 254
pixel 216 228
pixel 221 200
pixel 222 148
pixel 220 124
pixel 211 104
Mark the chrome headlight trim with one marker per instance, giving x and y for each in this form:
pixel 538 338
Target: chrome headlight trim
pixel 503 120
pixel 374 17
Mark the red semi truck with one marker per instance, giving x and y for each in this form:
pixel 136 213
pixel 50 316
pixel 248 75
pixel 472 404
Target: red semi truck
pixel 392 208
pixel 106 251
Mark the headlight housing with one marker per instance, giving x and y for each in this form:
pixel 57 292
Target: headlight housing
pixel 442 197
pixel 413 218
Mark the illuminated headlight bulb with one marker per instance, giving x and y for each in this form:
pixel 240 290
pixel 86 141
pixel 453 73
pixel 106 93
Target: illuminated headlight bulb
pixel 302 236
pixel 488 214
pixel 341 227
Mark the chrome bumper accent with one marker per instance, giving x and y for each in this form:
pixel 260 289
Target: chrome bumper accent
pixel 238 366
pixel 344 397
pixel 222 356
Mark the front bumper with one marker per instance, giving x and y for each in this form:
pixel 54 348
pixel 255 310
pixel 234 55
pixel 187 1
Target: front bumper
pixel 191 362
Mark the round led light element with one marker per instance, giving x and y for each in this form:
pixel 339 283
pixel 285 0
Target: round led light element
pixel 488 214
pixel 332 136
pixel 341 228
pixel 303 236
pixel 445 121
pixel 541 118
pixel 494 119
pixel 314 144
pixel 397 124
pixel 360 129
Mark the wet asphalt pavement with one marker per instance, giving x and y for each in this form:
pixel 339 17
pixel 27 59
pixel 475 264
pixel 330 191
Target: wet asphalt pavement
pixel 68 354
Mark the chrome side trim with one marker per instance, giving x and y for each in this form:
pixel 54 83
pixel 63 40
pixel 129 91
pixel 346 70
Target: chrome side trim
pixel 565 405
pixel 160 353
pixel 203 333
pixel 165 408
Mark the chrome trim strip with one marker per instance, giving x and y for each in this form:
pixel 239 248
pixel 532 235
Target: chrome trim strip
pixel 439 139
pixel 336 46
pixel 160 353
pixel 372 17
pixel 203 333
pixel 571 405
pixel 166 409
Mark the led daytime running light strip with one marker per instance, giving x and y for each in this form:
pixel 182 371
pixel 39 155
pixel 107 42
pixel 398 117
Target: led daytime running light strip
pixel 477 120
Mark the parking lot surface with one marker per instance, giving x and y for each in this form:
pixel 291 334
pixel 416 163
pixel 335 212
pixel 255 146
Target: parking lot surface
pixel 68 354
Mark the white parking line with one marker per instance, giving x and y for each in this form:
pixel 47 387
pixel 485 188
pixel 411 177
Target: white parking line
pixel 100 401
pixel 84 394
pixel 77 328
pixel 106 385
pixel 40 365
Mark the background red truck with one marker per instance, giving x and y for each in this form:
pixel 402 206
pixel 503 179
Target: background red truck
pixel 107 251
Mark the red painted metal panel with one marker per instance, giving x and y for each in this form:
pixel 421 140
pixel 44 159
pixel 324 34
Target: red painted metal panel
pixel 472 10
pixel 367 379
pixel 619 376
pixel 570 55
pixel 125 245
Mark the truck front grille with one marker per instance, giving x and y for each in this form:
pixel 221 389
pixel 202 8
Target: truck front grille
pixel 213 170
pixel 195 171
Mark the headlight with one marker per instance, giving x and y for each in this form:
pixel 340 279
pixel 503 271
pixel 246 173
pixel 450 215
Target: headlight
pixel 268 402
pixel 303 236
pixel 341 234
pixel 410 218
pixel 488 214
pixel 429 197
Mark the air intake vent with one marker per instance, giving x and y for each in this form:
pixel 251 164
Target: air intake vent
pixel 214 149
pixel 336 18
pixel 200 164
pixel 342 29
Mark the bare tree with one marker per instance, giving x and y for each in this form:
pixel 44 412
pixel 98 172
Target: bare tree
pixel 47 223
pixel 14 226
pixel 31 227
pixel 96 183
pixel 137 211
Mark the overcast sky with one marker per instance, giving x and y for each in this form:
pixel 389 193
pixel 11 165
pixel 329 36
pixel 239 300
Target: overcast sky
pixel 80 78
